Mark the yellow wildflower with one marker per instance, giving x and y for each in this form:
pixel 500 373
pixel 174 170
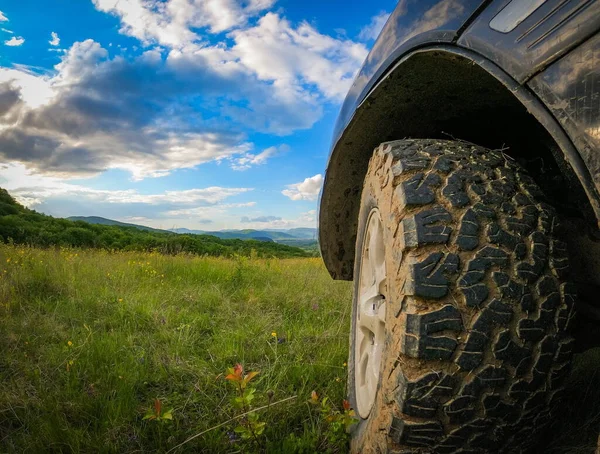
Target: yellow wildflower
pixel 274 334
pixel 70 344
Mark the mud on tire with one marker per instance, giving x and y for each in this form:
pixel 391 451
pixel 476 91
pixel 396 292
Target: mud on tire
pixel 478 306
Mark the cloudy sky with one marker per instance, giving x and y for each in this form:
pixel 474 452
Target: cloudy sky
pixel 205 114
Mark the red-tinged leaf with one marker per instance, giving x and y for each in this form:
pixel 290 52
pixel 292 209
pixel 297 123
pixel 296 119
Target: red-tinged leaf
pixel 157 406
pixel 250 376
pixel 238 370
pixel 314 396
pixel 232 377
pixel 346 405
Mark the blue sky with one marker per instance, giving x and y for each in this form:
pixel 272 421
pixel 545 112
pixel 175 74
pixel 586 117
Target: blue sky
pixel 205 114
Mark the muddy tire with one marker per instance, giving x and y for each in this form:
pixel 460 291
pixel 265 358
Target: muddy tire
pixel 461 307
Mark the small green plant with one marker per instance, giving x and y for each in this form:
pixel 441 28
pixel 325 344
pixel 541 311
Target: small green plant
pixel 250 426
pixel 338 423
pixel 155 413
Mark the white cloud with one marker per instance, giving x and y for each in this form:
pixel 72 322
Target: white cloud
pixel 6 30
pixel 309 216
pixel 248 160
pixel 33 89
pixel 85 119
pixel 179 105
pixel 32 188
pixel 372 30
pixel 291 57
pixel 15 41
pixel 206 211
pixel 259 219
pixel 55 41
pixel 170 22
pixel 3 18
pixel 306 190
pixel 307 219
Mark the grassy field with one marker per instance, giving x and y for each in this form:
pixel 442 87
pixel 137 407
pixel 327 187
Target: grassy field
pixel 90 339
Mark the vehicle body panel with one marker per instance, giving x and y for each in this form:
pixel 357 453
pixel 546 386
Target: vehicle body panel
pixel 571 89
pixel 548 32
pixel 411 24
pixel 389 99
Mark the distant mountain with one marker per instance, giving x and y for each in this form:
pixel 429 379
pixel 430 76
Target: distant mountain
pixel 307 233
pixel 277 235
pixel 104 221
pixel 188 231
pixel 285 236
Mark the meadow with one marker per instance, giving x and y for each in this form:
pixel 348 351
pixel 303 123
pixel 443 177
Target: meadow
pixel 92 341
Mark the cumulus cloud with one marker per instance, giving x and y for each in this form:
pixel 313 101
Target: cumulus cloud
pixel 179 105
pixel 372 29
pixel 306 190
pixel 96 114
pixel 170 22
pixel 15 41
pixel 291 57
pixel 55 40
pixel 246 219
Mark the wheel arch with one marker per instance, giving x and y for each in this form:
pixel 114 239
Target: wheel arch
pixel 447 92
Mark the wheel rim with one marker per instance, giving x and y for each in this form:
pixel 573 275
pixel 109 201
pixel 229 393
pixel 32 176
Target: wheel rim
pixel 370 315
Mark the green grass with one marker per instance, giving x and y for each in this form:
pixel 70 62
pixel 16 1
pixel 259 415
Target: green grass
pixel 145 326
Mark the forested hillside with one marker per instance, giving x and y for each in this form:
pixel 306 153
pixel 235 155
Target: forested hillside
pixel 21 225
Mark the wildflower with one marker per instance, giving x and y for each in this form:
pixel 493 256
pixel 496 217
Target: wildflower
pixel 70 344
pixel 345 364
pixel 274 334
pixel 120 300
pixel 338 379
pixel 8 260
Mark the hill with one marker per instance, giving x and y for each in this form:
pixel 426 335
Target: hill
pixel 274 234
pixel 103 221
pixel 21 225
pixel 284 236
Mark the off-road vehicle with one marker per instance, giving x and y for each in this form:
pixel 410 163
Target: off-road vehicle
pixel 471 231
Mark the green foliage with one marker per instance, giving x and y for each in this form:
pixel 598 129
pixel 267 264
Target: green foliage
pixel 338 422
pixel 24 226
pixel 250 427
pixel 155 413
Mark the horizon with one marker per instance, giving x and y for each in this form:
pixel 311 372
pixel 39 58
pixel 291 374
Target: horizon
pixel 206 115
